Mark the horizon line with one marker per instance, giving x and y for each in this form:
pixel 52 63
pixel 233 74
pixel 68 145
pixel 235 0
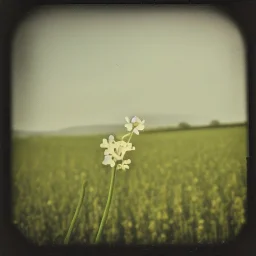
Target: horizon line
pixel 118 124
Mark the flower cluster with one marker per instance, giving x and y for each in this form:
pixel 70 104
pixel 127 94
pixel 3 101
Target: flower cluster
pixel 115 150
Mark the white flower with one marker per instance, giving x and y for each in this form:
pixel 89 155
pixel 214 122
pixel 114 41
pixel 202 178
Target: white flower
pixel 123 147
pixel 108 160
pixel 109 145
pixel 119 149
pixel 135 124
pixel 124 165
pixel 114 150
pixel 105 143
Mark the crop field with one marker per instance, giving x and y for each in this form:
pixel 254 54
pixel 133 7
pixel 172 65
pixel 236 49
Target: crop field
pixel 182 187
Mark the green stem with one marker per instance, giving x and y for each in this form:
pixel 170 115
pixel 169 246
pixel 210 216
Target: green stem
pixel 71 227
pixel 130 137
pixel 106 211
pixel 125 135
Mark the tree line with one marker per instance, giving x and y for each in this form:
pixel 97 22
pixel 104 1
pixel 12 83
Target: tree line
pixel 213 123
pixel 187 126
pixel 184 125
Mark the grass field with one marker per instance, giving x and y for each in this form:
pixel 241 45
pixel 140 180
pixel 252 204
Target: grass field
pixel 183 187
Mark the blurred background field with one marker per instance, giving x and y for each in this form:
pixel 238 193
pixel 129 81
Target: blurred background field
pixel 182 187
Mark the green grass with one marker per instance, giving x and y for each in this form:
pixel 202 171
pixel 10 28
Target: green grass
pixel 182 187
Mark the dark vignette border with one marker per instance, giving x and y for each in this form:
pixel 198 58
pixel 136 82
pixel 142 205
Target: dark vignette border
pixel 243 14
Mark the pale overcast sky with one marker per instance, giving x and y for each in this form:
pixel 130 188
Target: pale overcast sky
pixel 91 65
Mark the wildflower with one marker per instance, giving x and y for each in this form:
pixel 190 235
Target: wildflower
pixel 114 150
pixel 114 154
pixel 124 165
pixel 135 124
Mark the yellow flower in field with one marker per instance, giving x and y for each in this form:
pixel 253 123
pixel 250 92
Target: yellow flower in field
pixel 189 188
pixel 49 202
pixel 201 221
pixel 134 124
pixel 194 198
pixel 195 180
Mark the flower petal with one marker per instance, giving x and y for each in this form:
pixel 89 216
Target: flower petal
pixel 140 127
pixel 107 160
pixel 139 120
pixel 128 127
pixel 134 119
pixel 128 161
pixel 127 119
pixel 135 130
pixel 111 138
pixel 104 143
pixel 112 164
pixel 126 166
pixel 107 152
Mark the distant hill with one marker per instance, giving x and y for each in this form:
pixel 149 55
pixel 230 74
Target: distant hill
pixel 74 131
pixel 196 127
pixel 91 129
pixel 155 122
pixel 20 133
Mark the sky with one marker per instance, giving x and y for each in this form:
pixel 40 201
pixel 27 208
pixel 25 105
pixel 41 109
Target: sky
pixel 95 65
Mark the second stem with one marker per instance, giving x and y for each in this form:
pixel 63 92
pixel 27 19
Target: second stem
pixel 106 211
